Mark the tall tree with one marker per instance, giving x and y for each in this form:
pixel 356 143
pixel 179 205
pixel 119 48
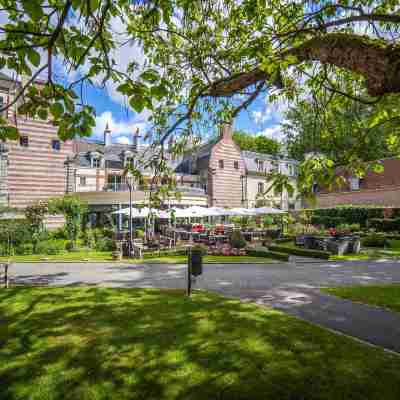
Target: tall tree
pixel 259 143
pixel 205 60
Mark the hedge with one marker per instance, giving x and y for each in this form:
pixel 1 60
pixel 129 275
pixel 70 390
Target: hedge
pixel 385 224
pixel 300 252
pixel 264 252
pixel 285 239
pixel 165 253
pixel 351 214
pixel 327 222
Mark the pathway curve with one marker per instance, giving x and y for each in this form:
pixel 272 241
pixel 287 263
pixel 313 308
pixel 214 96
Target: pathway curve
pixel 291 287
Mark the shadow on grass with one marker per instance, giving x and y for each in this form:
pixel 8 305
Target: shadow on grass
pixel 96 343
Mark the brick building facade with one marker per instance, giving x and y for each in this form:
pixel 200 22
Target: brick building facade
pixel 374 188
pixel 32 167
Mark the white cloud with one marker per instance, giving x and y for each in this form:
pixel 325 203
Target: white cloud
pixel 123 140
pixel 273 132
pixel 121 130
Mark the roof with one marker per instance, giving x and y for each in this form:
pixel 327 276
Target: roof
pixel 250 158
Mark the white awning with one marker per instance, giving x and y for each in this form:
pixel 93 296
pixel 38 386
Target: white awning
pixel 143 212
pixel 268 210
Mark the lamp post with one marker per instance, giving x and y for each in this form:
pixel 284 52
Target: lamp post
pixel 129 178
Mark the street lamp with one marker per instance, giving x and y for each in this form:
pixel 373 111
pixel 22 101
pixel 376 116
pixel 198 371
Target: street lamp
pixel 129 178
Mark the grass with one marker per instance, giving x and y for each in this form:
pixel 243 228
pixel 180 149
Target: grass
pixel 387 296
pixel 98 343
pixel 64 256
pixel 371 253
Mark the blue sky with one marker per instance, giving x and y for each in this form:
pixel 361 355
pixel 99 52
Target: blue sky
pixel 260 118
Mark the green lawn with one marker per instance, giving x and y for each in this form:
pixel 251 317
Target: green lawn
pixel 65 256
pixel 387 296
pixel 370 253
pixel 98 343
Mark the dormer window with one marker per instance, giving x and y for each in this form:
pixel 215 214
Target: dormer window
pixel 95 159
pixel 95 163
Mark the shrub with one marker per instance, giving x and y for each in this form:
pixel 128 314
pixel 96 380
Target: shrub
pixel 237 240
pixel 348 227
pixel 104 244
pixel 139 233
pixel 89 238
pixel 70 246
pixel 25 249
pixel 300 251
pixel 264 252
pixel 50 247
pixel 326 221
pixel 59 233
pixel 374 240
pixel 394 243
pixel 385 224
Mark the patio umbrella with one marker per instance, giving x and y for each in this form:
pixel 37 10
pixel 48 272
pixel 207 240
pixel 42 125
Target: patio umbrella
pixel 244 212
pixel 267 210
pixel 143 212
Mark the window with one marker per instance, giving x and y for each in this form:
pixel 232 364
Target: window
pixel 260 165
pixel 260 188
pixel 236 164
pixel 95 163
pixel 24 141
pixel 56 144
pixel 221 164
pixel 354 183
pixel 82 180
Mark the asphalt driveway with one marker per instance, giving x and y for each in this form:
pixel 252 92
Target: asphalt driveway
pixel 292 287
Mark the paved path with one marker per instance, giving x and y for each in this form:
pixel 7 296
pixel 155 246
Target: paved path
pixel 292 287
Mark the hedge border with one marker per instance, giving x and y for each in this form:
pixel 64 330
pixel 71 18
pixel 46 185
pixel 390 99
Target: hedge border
pixel 301 252
pixel 265 252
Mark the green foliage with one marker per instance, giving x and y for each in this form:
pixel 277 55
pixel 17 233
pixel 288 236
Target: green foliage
pixel 104 244
pixel 347 214
pixel 13 233
pixel 237 240
pixel 166 253
pixel 50 247
pixel 139 233
pixel 89 239
pixel 374 240
pixel 326 221
pixel 25 249
pixel 385 224
pixel 35 215
pixel 300 251
pixel 259 144
pixel 264 252
pixel 73 210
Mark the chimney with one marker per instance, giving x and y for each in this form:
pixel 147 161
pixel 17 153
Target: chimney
pixel 135 141
pixel 107 136
pixel 226 130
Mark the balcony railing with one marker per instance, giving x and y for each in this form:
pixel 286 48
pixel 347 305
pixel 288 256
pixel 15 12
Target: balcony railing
pixel 123 187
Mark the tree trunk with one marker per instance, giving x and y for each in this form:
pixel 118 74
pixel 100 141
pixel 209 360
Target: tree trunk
pixel 377 62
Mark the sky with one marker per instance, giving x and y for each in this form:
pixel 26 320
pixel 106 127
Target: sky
pixel 261 118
